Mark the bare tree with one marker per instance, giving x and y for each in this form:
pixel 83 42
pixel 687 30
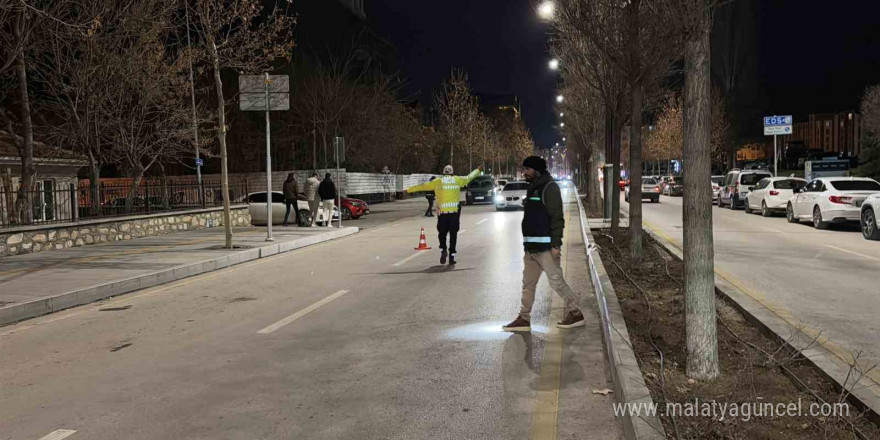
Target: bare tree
pixel 74 72
pixel 245 37
pixel 870 109
pixel 145 110
pixel 702 339
pixel 591 42
pixel 20 22
pixel 585 115
pixel 458 110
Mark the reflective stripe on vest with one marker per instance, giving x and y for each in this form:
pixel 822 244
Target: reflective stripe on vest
pixel 537 239
pixel 535 198
pixel 449 205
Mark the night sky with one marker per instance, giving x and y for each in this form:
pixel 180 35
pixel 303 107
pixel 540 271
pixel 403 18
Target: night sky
pixel 813 56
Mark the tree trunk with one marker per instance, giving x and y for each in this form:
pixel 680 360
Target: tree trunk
pixel 24 203
pixel 594 195
pixel 615 176
pixel 221 138
pixel 702 341
pixel 94 185
pixel 635 138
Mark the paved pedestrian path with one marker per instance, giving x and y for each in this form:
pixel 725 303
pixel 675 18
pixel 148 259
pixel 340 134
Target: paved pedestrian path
pixel 36 284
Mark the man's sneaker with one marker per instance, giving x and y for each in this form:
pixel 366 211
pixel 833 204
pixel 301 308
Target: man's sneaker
pixel 452 259
pixel 443 256
pixel 518 325
pixel 572 320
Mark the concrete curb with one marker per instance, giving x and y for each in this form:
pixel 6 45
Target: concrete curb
pixel 629 384
pixel 20 311
pixel 865 394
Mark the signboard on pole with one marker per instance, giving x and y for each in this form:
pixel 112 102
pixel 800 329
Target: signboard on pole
pixel 265 93
pixel 774 126
pixel 252 91
pixel 777 125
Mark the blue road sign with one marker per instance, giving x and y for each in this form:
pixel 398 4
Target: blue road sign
pixel 199 162
pixel 771 121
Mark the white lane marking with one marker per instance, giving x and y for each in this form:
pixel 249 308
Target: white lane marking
pixel 772 229
pixel 852 253
pixel 301 313
pixel 482 221
pixel 462 231
pixel 59 434
pixel 404 261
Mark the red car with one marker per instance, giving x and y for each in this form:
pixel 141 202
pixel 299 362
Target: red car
pixel 353 209
pixel 623 184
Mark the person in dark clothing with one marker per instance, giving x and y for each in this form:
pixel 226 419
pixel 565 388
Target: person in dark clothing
pixel 542 227
pixel 327 192
pixel 430 196
pixel 290 190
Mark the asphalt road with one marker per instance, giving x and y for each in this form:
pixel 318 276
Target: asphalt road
pixel 359 338
pixel 826 280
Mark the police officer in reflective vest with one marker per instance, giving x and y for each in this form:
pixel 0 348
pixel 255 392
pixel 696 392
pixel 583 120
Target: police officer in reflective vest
pixel 542 226
pixel 447 189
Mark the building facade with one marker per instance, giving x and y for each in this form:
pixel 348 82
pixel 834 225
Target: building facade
pixel 832 132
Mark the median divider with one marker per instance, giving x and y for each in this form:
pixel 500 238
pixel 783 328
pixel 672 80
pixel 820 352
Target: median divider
pixel 15 312
pixel 629 384
pixel 831 360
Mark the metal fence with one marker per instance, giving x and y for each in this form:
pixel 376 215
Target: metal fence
pixel 61 205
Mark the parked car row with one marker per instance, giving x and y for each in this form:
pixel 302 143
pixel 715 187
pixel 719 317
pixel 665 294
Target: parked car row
pixel 822 201
pixel 352 209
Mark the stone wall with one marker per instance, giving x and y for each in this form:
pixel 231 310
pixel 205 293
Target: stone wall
pixel 60 236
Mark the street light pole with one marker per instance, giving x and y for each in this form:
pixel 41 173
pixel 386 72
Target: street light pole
pixel 268 167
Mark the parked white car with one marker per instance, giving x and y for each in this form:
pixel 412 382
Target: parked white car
pixel 870 210
pixel 829 200
pixel 257 208
pixel 736 186
pixel 511 196
pixel 772 194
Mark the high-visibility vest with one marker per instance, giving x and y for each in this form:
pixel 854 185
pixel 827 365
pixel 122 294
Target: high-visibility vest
pixel 447 189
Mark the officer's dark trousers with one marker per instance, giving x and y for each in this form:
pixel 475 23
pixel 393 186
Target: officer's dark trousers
pixel 448 224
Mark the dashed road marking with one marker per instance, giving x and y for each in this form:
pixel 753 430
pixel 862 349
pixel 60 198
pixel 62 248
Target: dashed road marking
pixel 852 252
pixel 482 221
pixel 59 434
pixel 301 313
pixel 405 260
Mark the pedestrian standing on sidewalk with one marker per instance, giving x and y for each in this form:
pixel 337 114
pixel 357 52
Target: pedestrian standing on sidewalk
pixel 312 196
pixel 447 190
pixel 290 190
pixel 430 196
pixel 327 192
pixel 542 227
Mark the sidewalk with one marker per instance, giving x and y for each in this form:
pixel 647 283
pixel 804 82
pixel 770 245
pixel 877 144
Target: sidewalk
pixel 37 284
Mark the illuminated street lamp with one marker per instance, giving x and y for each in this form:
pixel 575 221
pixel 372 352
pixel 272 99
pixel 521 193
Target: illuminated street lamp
pixel 562 124
pixel 561 115
pixel 563 139
pixel 554 64
pixel 546 10
pixel 559 98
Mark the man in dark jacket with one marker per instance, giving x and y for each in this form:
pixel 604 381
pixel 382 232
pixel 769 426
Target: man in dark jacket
pixel 327 192
pixel 542 227
pixel 290 190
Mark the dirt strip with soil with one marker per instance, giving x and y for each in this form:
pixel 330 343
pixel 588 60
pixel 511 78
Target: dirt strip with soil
pixel 756 370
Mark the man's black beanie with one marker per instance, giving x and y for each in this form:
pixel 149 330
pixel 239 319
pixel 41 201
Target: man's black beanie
pixel 536 163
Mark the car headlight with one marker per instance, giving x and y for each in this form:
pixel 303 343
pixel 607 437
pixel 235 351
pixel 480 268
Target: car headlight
pixel 499 198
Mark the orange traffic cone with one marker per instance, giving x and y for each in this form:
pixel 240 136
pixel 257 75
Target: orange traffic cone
pixel 423 243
